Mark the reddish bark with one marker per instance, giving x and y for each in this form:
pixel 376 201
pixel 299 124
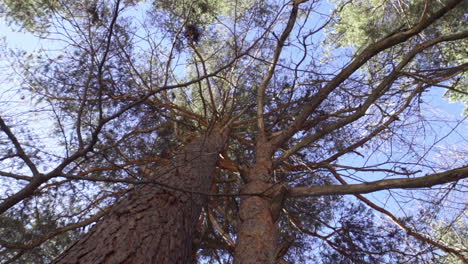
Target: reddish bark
pixel 257 236
pixel 153 225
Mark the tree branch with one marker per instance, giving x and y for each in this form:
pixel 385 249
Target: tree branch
pixel 262 87
pixel 400 183
pixel 374 96
pixel 399 223
pixel 19 149
pixel 369 52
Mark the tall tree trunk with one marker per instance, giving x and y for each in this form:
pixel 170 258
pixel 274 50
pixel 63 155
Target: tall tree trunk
pixel 155 225
pixel 257 237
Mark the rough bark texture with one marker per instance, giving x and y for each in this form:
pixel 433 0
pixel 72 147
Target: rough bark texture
pixel 155 225
pixel 257 236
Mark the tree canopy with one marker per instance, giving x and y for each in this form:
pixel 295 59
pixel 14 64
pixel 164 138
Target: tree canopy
pixel 234 132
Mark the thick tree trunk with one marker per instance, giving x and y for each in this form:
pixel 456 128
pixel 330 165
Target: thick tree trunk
pixel 257 237
pixel 155 225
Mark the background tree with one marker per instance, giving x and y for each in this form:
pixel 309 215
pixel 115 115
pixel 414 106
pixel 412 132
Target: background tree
pixel 31 15
pixel 453 234
pixel 247 122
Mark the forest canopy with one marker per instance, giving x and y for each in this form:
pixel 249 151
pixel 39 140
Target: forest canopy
pixel 215 131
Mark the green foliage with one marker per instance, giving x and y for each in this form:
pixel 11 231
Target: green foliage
pixel 459 93
pixel 27 226
pixel 37 15
pixel 199 12
pixel 33 15
pixel 363 22
pixel 454 235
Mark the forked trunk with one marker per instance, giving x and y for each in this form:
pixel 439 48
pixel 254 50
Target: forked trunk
pixel 154 224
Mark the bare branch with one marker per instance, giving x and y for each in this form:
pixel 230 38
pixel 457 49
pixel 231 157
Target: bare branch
pixel 369 52
pixel 399 223
pixel 19 149
pixel 279 47
pixel 401 183
pixel 376 93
